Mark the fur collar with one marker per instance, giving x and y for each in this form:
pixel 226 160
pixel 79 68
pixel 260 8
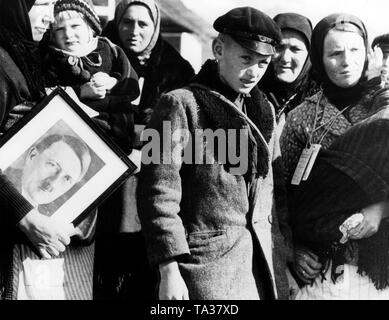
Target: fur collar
pixel 211 95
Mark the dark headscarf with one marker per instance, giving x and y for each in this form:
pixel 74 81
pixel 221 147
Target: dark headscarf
pixel 340 97
pixel 270 83
pixel 16 38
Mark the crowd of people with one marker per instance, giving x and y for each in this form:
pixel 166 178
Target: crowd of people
pixel 301 213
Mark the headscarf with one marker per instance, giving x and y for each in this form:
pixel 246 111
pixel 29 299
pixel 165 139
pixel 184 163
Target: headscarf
pixel 339 96
pixel 16 38
pixel 155 14
pixel 270 82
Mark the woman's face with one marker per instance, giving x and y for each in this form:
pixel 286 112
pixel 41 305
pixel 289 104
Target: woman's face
pixel 290 56
pixel 344 55
pixel 41 15
pixel 136 28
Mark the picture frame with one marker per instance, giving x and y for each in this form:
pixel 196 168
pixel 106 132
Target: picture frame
pixel 61 161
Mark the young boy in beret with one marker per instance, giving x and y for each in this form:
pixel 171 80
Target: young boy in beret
pixel 97 70
pixel 210 228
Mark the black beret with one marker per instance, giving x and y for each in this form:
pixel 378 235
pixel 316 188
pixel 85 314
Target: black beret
pixel 381 41
pixel 251 28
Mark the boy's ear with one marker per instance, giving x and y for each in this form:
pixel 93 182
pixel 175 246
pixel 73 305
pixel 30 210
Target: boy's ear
pixel 217 48
pixel 32 153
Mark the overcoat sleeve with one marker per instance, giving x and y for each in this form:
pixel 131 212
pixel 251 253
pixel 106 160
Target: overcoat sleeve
pixel 10 198
pixel 159 190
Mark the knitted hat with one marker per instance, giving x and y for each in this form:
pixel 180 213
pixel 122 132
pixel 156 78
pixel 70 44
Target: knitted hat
pixel 85 7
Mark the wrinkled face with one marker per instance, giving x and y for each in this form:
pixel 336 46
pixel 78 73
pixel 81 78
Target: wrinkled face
pixel 71 32
pixel 240 68
pixel 344 57
pixel 49 174
pixel 41 15
pixel 136 28
pixel 290 56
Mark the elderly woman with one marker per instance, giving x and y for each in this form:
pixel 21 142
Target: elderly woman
pixel 339 48
pixel 289 78
pixel 68 274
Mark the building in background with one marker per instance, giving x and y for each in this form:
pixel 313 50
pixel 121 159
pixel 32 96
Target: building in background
pixel 105 9
pixel 189 33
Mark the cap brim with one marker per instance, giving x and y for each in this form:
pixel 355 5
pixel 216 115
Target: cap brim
pixel 260 47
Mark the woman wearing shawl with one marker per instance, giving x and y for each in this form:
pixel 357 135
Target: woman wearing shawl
pixel 67 274
pixel 339 55
pixel 289 78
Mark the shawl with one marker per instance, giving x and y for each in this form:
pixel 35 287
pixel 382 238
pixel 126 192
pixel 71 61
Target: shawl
pixel 350 175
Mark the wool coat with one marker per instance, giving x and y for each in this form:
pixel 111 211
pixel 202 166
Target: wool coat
pixel 220 227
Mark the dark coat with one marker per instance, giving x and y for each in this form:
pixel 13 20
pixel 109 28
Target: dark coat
pixel 116 107
pixel 216 224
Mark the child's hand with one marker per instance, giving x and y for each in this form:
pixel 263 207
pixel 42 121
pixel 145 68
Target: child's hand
pixel 102 79
pixel 90 91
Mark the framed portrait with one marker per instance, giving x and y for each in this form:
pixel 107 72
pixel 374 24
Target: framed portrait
pixel 60 161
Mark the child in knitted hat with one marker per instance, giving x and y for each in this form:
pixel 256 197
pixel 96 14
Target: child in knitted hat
pixel 95 68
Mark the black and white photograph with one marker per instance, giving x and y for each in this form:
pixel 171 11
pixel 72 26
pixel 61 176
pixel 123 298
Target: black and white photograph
pixel 210 151
pixel 55 167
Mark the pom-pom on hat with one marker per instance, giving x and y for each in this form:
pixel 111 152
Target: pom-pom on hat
pixel 251 28
pixel 83 6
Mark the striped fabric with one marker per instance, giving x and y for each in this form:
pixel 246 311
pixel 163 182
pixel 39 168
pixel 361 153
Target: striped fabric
pixel 77 272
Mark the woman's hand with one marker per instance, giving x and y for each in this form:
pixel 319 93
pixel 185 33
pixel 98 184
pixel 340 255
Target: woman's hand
pixel 372 216
pixel 46 235
pixel 306 264
pixel 172 286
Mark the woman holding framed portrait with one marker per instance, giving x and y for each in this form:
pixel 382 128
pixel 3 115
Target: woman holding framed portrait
pixel 64 272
